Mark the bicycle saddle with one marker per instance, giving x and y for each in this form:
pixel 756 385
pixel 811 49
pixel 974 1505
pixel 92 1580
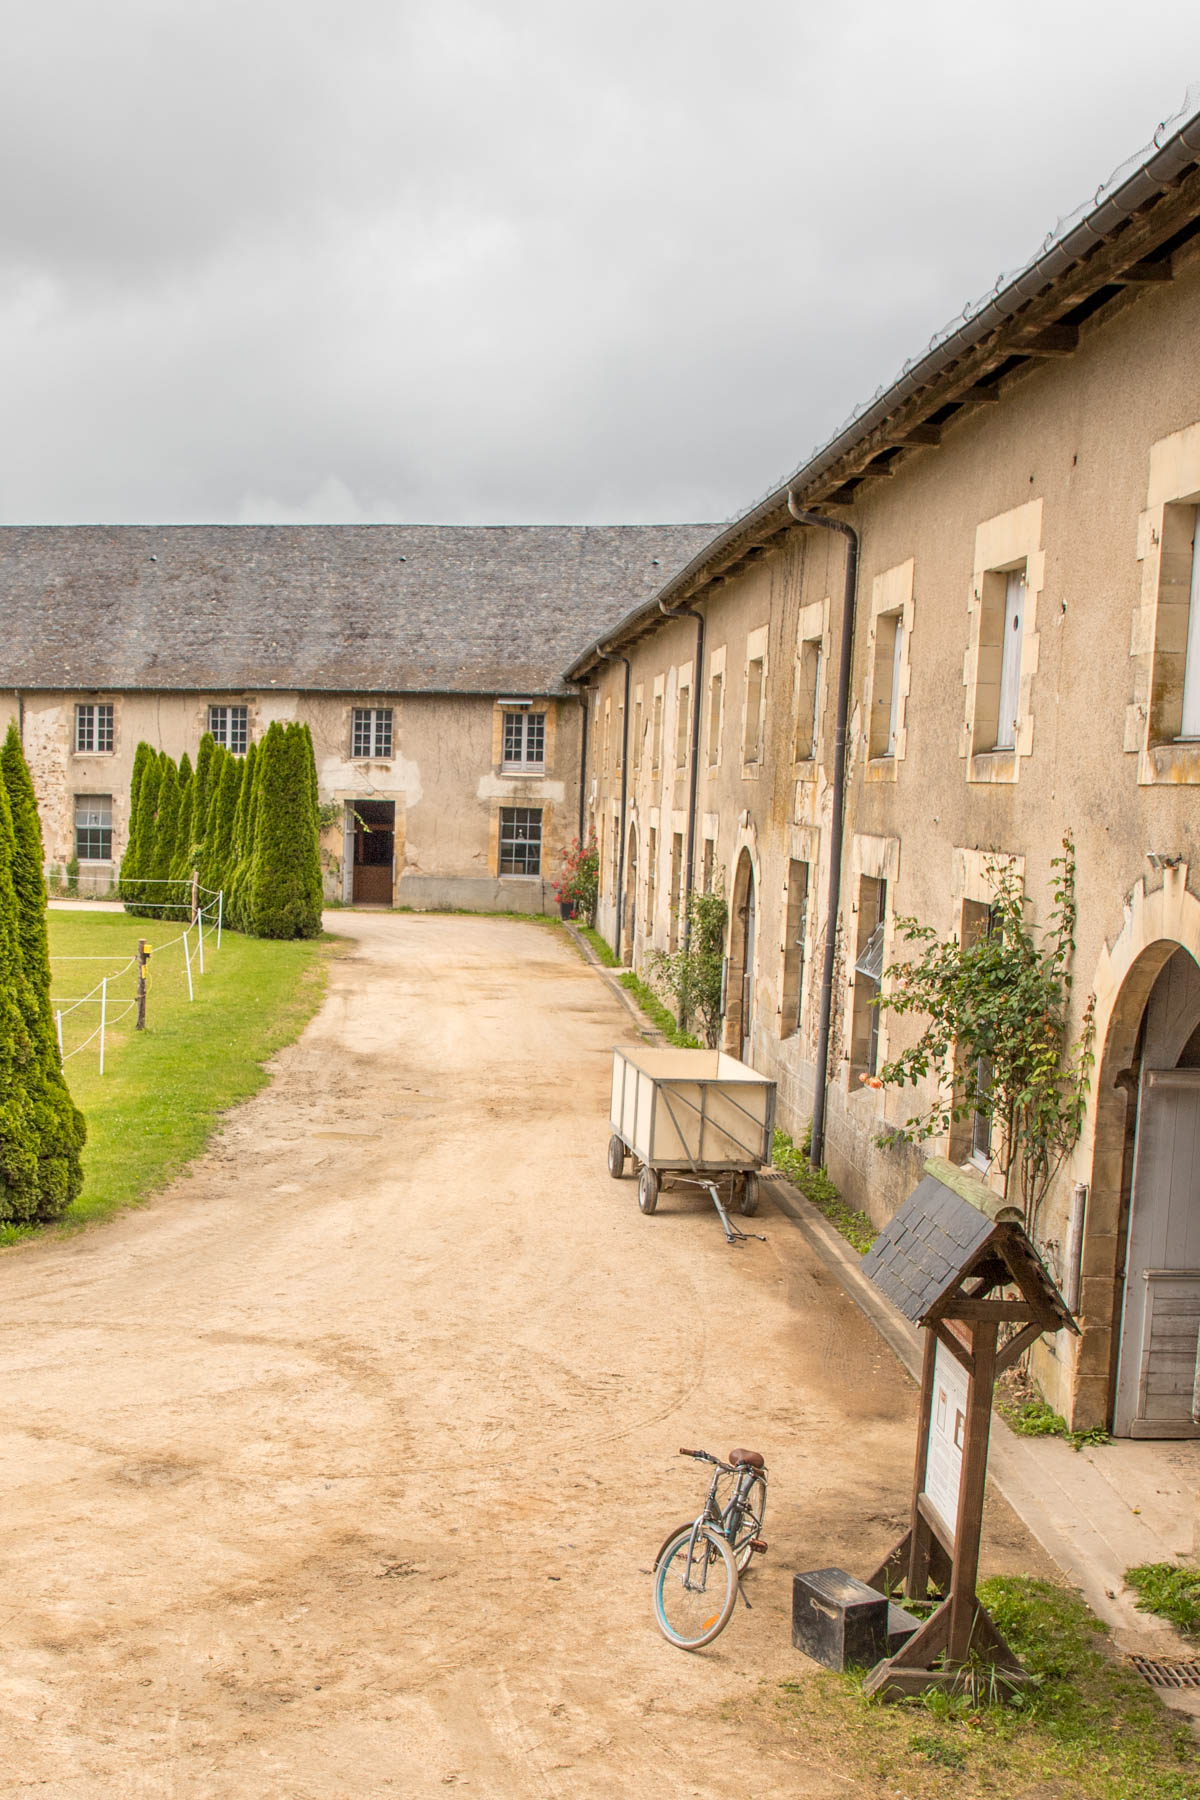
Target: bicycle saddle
pixel 747 1459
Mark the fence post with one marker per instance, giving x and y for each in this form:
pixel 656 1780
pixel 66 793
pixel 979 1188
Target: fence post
pixel 200 937
pixel 103 1018
pixel 187 959
pixel 58 1028
pixel 195 895
pixel 141 984
pixel 220 914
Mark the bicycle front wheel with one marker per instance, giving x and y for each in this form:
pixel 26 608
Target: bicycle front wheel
pixel 695 1587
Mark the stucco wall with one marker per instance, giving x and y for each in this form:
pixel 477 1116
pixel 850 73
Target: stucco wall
pixel 444 777
pixel 1067 476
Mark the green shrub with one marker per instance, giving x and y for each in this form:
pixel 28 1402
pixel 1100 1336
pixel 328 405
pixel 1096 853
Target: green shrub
pixel 1170 1591
pixel 816 1186
pixel 41 1130
pixel 283 898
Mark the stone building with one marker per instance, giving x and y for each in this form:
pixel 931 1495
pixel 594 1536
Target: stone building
pixel 426 660
pixel 987 589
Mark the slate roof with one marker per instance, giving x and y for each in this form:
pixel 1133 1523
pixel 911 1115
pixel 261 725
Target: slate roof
pixel 933 1237
pixel 361 608
pixel 934 1234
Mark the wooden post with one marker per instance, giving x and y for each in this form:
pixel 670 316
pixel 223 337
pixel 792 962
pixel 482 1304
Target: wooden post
pixel 969 1525
pixel 141 984
pixel 916 1585
pixel 195 895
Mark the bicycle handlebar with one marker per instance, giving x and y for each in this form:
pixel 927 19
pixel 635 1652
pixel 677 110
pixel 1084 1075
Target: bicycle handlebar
pixel 701 1455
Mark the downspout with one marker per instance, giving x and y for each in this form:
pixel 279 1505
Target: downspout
pixel 837 827
pixel 689 868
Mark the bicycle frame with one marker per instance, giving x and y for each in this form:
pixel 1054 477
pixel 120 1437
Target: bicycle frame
pixel 727 1519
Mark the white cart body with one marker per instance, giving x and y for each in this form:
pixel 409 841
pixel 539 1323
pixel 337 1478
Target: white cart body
pixel 692 1109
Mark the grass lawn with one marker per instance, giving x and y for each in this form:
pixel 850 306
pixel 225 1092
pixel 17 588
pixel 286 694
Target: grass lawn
pixel 1087 1729
pixel 163 1089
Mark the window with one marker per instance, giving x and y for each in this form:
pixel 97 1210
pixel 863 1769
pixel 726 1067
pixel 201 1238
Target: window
pixel 524 740
pixel 230 725
pixel 607 736
pixel 885 688
pixel 752 740
pixel 656 739
pixel 93 827
pixel 676 919
pixel 808 707
pixel 616 851
pixel 707 862
pixel 1189 724
pixel 520 840
pixel 998 681
pixel 637 731
pixel 682 725
pixel 794 948
pixel 716 689
pixel 372 733
pixel 94 729
pixel 651 878
pixel 868 975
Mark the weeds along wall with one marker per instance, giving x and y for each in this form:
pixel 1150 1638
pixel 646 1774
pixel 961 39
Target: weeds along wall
pixel 246 827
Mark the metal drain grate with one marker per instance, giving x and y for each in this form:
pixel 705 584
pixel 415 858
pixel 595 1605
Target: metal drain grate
pixel 1167 1674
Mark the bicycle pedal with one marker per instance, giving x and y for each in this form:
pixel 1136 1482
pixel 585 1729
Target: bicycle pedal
pixel 758 1545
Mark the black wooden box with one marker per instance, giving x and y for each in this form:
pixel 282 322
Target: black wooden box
pixel 838 1620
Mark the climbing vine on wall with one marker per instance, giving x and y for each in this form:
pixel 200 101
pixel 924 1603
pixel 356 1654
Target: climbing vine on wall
pixel 998 1040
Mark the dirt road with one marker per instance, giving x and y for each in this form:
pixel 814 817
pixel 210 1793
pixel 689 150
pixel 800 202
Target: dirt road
pixel 337 1471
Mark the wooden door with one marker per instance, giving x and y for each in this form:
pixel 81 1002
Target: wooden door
pixel 1157 1383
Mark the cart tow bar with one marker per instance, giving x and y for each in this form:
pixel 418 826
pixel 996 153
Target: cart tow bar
pixel 733 1234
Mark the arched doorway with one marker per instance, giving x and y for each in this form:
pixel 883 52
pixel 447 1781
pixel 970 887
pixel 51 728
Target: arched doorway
pixel 628 922
pixel 1146 1176
pixel 739 987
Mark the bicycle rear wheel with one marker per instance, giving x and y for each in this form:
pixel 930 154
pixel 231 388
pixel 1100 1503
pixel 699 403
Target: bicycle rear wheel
pixel 695 1587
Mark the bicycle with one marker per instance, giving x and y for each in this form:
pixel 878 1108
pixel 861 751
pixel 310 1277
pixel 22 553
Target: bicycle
pixel 698 1571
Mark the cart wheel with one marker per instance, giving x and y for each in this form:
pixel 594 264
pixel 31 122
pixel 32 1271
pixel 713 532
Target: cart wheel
pixel 749 1196
pixel 616 1157
pixel 647 1189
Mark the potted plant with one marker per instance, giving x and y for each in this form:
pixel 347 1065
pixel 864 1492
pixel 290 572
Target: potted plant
pixel 578 885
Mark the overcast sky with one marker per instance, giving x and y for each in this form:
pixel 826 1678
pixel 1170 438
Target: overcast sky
pixel 482 261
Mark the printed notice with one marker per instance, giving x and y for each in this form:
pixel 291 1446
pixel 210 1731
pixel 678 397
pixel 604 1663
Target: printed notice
pixel 947 1424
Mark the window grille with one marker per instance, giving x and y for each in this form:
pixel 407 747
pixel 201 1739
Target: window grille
pixel 524 740
pixel 230 726
pixel 520 840
pixel 93 827
pixel 372 732
pixel 94 728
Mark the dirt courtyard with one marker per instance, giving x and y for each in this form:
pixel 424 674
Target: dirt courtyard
pixel 338 1469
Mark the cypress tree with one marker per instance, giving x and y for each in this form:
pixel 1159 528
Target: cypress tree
pixel 284 895
pixel 147 833
pixel 207 854
pixel 18 1146
pixel 143 756
pixel 57 1128
pixel 241 847
pixel 166 829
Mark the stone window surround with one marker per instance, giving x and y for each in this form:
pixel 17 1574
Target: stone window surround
pixel 512 771
pixel 1002 544
pixel 1173 481
pixel 804 844
pixel 716 669
pixel 879 859
pixel 683 686
pixel 891 592
pixel 756 651
pixel 813 625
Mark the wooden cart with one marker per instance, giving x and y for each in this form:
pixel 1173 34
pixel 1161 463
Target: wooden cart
pixel 698 1116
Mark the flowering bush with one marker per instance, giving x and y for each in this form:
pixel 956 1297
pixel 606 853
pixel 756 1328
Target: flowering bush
pixel 579 883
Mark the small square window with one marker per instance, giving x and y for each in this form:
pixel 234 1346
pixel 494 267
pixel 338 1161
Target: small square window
pixel 230 726
pixel 520 840
pixel 524 740
pixel 371 735
pixel 94 729
pixel 93 827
